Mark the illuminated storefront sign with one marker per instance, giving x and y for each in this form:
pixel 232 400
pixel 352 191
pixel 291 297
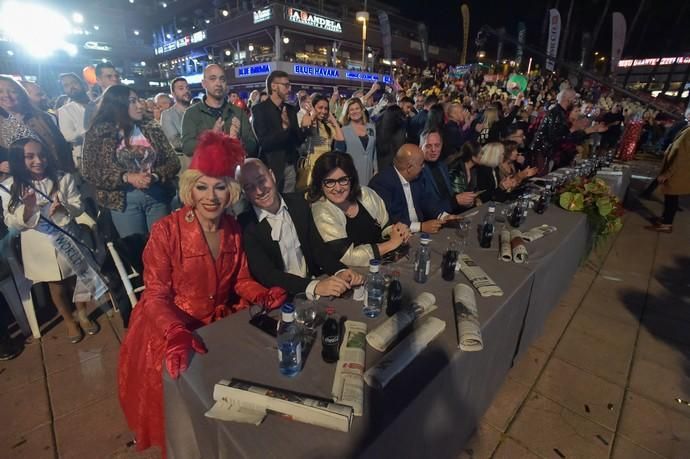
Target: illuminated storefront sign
pixel 181 42
pixel 262 15
pixel 97 46
pixel 306 18
pixel 654 61
pixel 333 73
pixel 252 70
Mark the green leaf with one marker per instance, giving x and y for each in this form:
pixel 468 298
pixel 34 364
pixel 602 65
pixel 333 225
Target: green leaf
pixel 605 206
pixel 573 202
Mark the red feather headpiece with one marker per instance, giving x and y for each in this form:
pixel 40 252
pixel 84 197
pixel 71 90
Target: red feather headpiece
pixel 217 155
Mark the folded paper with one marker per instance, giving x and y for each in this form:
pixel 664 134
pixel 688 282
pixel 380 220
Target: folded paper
pixel 404 353
pixel 383 335
pixel 348 383
pixel 467 318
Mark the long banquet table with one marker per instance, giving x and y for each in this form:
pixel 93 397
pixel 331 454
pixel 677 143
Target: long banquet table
pixel 430 409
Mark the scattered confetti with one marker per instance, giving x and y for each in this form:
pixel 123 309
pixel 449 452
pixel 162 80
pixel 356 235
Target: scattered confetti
pixel 610 406
pixel 587 408
pixel 683 402
pixel 559 453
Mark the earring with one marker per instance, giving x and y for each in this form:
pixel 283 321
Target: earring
pixel 189 218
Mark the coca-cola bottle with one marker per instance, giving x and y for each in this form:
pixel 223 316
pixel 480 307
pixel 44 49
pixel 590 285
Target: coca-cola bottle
pixel 330 338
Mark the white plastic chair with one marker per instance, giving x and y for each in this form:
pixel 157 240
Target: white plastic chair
pixel 125 277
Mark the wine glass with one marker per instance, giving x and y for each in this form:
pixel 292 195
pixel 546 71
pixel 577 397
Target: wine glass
pixel 462 231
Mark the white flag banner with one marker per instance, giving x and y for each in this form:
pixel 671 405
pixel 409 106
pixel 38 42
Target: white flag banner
pixel 617 39
pixel 554 37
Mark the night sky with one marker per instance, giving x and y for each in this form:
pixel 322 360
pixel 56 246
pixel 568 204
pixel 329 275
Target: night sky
pixel 663 27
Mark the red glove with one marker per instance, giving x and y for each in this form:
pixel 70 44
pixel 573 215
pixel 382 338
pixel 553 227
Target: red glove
pixel 179 343
pixel 273 298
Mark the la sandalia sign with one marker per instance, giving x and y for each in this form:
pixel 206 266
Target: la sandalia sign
pixel 313 20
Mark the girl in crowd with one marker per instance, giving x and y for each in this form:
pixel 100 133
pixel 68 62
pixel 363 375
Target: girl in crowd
pixel 360 139
pixel 463 168
pixel 35 190
pixel 351 219
pixel 489 177
pixel 129 162
pixel 509 166
pixel 18 118
pixel 212 281
pixel 325 130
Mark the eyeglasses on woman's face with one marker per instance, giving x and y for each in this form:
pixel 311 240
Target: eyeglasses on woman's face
pixel 342 181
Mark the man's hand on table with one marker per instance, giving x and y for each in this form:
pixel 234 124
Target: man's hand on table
pixel 352 278
pixel 332 286
pixel 432 226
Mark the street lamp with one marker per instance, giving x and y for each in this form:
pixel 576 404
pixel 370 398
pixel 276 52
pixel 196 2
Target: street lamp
pixel 363 17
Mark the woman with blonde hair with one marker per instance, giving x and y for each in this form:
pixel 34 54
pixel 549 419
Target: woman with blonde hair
pixel 489 182
pixel 195 272
pixel 360 139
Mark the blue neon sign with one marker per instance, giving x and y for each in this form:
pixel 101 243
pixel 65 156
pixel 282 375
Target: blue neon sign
pixel 252 70
pixel 333 73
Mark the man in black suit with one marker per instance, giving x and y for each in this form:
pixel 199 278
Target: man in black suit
pixel 283 246
pixel 278 132
pixel 403 190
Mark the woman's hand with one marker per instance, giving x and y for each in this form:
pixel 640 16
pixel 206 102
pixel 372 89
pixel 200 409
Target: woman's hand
pixel 140 180
pixel 180 343
pixel 273 298
pixel 56 206
pixel 465 199
pixel 403 232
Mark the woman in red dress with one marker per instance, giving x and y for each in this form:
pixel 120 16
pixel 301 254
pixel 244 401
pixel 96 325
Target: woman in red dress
pixel 195 272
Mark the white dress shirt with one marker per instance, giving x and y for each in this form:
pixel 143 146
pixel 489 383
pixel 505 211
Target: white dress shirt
pixel 415 224
pixel 283 231
pixel 71 123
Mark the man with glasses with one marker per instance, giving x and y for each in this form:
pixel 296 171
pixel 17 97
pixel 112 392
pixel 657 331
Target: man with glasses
pixel 278 131
pixel 216 113
pixel 402 189
pixel 283 247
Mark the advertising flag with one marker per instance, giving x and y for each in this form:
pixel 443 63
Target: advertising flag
pixel 521 36
pixel 385 25
pixel 617 39
pixel 465 10
pixel 554 36
pixel 424 39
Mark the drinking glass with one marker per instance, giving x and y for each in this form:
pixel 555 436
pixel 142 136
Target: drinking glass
pixel 462 231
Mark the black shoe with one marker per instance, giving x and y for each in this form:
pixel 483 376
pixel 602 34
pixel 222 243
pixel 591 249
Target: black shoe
pixel 9 350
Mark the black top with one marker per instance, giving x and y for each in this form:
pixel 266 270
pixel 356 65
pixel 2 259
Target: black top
pixel 361 229
pixel 365 141
pixel 277 146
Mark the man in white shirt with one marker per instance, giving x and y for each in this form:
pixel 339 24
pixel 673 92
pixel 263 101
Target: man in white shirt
pixel 171 119
pixel 404 193
pixel 71 115
pixel 282 244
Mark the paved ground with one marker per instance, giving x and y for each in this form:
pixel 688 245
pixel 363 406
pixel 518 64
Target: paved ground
pixel 602 381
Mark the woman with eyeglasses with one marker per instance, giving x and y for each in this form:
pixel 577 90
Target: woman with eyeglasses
pixel 130 163
pixel 351 219
pixel 360 139
pixel 324 131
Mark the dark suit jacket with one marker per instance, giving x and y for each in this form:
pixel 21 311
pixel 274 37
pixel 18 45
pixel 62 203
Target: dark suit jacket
pixel 277 146
pixel 442 199
pixel 263 253
pixel 387 185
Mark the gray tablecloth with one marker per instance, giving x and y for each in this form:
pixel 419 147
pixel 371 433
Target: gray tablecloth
pixel 428 410
pixel 619 183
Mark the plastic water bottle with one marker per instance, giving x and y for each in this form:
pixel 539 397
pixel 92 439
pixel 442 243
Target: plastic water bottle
pixel 422 259
pixel 289 342
pixel 373 301
pixel 487 231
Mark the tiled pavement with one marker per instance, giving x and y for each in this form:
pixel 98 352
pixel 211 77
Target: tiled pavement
pixel 602 381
